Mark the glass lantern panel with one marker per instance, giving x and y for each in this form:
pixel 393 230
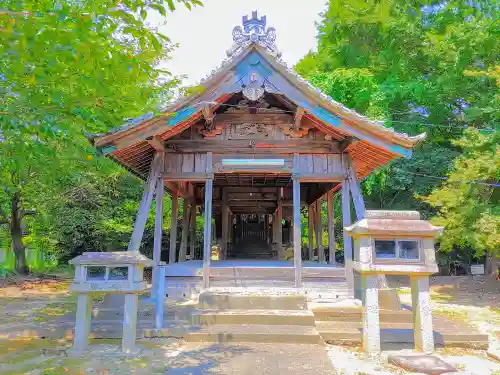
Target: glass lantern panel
pixel 118 273
pixel 385 249
pixel 96 273
pixel 408 250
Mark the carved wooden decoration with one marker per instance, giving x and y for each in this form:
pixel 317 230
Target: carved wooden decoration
pixel 251 131
pixel 290 132
pixel 212 132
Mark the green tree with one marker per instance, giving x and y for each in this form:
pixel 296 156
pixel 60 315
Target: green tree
pixel 468 203
pixel 419 66
pixel 67 67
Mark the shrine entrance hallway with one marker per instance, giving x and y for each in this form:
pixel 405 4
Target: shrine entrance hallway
pixel 250 238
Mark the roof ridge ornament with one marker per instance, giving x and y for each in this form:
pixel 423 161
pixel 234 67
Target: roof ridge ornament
pixel 254 31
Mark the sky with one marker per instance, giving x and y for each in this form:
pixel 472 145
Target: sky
pixel 204 34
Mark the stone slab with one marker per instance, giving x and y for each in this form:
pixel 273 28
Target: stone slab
pixel 251 300
pixel 250 359
pixel 422 363
pixel 253 316
pixel 253 333
pixel 355 314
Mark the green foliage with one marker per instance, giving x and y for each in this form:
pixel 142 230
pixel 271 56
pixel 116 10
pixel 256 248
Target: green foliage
pixel 69 67
pixel 421 66
pixel 470 212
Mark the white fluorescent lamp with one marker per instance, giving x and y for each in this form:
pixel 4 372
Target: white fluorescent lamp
pixel 253 162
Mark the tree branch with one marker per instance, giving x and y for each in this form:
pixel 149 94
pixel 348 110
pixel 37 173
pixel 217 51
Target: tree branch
pixel 28 212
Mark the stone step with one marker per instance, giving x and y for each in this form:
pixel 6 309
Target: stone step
pixel 247 300
pixel 99 330
pixel 350 333
pixel 267 317
pixel 222 333
pixel 352 314
pixel 144 314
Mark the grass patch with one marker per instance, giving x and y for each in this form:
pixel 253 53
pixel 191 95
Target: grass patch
pixel 453 315
pixel 55 309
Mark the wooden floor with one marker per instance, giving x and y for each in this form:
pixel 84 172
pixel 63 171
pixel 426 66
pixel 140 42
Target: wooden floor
pixel 254 268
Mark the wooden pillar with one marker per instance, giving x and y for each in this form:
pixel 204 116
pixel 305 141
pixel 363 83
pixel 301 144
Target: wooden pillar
pixel 185 231
pixel 279 228
pixel 225 223
pixel 192 230
pixel 266 228
pixel 207 229
pixel 351 180
pixel 145 206
pixel 319 233
pixel 310 232
pixel 173 229
pixel 297 251
pixel 331 227
pixel 230 233
pixel 160 189
pixel 290 233
pixel 346 221
pixel 357 196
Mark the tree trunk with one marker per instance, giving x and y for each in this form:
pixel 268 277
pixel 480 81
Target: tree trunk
pixel 17 235
pixel 491 266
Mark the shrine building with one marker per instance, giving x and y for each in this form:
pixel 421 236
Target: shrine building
pixel 254 147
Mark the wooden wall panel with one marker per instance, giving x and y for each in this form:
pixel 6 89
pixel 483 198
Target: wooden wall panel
pixel 319 164
pixel 185 163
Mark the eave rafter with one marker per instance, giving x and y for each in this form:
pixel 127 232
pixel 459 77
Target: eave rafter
pixel 157 143
pixel 297 118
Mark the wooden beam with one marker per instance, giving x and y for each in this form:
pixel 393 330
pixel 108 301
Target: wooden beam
pixel 346 221
pixel 187 176
pixel 297 247
pixel 225 223
pixel 357 196
pixel 319 233
pixel 207 229
pixel 173 229
pixel 192 230
pixel 344 145
pixel 310 231
pixel 260 118
pixel 157 143
pixel 299 113
pixel 331 227
pixel 185 230
pixel 158 235
pixel 145 205
pixel 317 177
pixel 279 219
pixel 286 146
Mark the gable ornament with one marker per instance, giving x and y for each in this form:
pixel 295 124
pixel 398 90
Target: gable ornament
pixel 254 31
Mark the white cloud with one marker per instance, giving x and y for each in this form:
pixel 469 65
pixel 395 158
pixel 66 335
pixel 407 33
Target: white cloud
pixel 205 33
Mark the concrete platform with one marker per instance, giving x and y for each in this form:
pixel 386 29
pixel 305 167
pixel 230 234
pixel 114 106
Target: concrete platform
pixel 446 334
pixel 225 333
pixel 251 359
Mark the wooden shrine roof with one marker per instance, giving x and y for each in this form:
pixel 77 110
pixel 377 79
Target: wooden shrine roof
pixel 254 63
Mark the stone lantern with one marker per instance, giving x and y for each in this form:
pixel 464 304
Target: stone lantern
pixel 395 243
pixel 109 272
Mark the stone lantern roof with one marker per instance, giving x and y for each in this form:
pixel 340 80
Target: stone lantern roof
pixel 112 258
pixel 399 223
